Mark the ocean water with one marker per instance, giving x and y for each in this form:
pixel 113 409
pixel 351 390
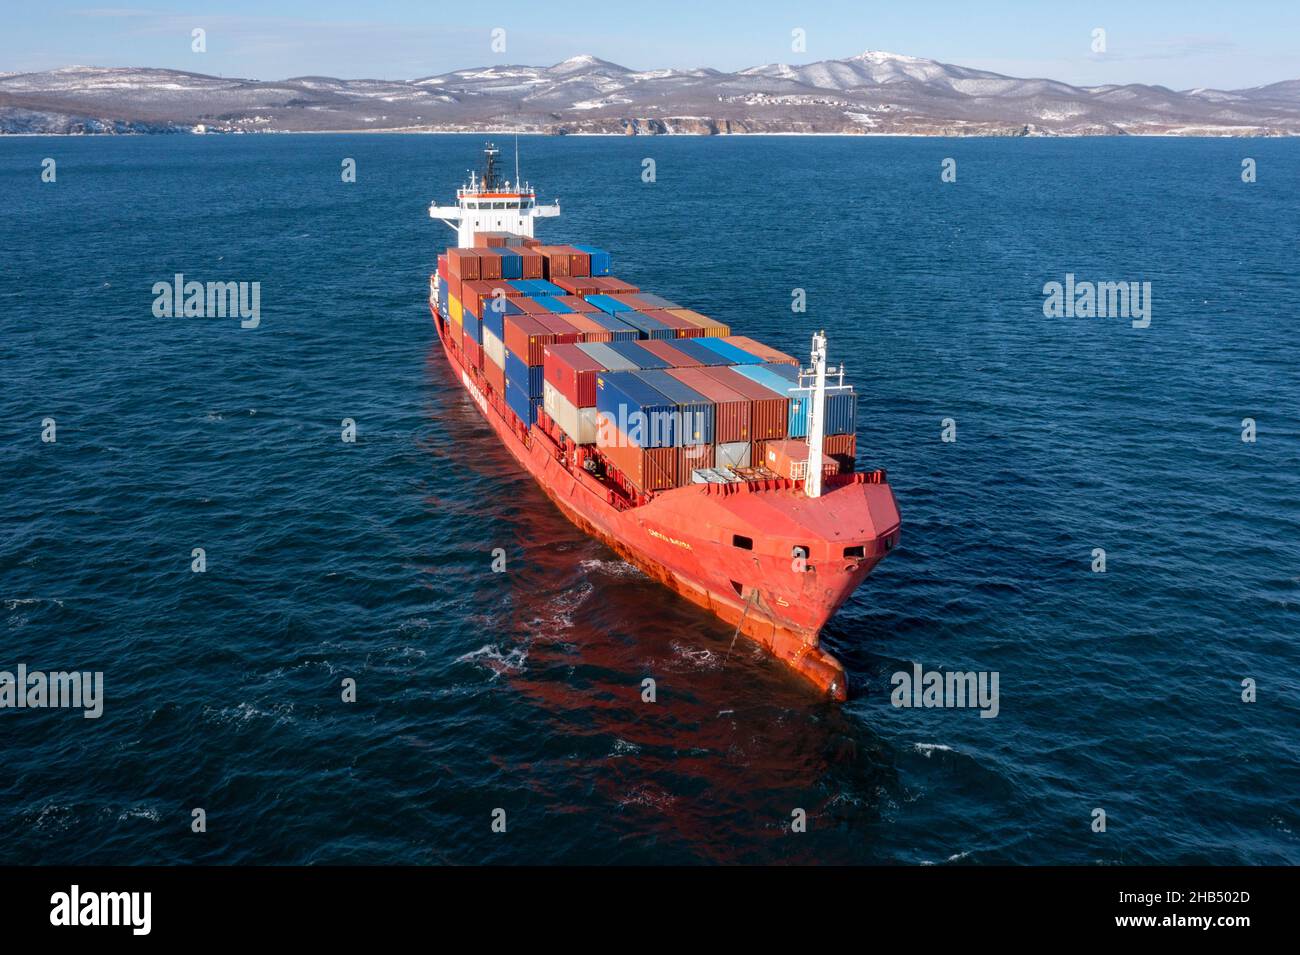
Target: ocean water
pixel 1119 691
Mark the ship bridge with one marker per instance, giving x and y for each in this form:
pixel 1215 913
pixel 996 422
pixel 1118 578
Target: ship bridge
pixel 489 203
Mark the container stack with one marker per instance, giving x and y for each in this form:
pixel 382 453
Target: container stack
pixel 662 395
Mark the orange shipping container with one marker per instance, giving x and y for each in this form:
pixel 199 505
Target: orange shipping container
pixel 647 469
pixel 589 331
pixel 765 352
pixel 680 326
pixel 712 327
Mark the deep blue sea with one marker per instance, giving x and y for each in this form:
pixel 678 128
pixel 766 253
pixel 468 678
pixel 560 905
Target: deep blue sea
pixel 327 561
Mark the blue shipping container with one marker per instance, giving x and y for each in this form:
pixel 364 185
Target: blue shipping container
pixel 647 326
pixel 512 264
pixel 646 416
pixel 622 331
pixel 535 287
pixel 600 260
pixel 524 407
pixel 635 353
pixel 705 356
pixel 524 375
pixel 553 305
pixel 495 323
pixel 697 412
pixel 738 355
pixel 473 328
pixel 607 304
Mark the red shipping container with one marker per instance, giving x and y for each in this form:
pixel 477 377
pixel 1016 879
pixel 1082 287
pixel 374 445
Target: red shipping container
pixel 765 352
pixel 495 375
pixel 463 263
pixel 732 411
pixel 661 349
pixel 557 259
pixel 590 331
pixel 648 469
pixel 579 262
pixel 531 242
pixel 473 351
pixel 477 296
pixel 492 239
pixel 527 337
pixel 442 266
pixel 532 264
pixel 565 334
pixel 572 372
pixel 844 449
pixel 690 458
pixel 769 413
pixel 680 326
pixel 609 285
pixel 528 305
pixel 582 286
pixel 489 263
pixel 575 303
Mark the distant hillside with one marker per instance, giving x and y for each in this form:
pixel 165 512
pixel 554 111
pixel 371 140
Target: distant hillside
pixel 870 93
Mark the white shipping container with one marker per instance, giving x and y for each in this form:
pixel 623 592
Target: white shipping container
pixel 580 424
pixel 494 349
pixel 734 454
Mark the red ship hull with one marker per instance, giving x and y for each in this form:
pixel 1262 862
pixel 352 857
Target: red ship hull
pixel 686 537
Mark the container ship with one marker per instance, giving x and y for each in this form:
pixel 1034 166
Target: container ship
pixel 716 464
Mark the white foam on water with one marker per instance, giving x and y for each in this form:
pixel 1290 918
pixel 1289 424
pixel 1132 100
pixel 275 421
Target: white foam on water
pixel 700 658
pixel 490 656
pixel 928 749
pixel 611 568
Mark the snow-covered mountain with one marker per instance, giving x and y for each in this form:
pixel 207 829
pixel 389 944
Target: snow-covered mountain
pixel 874 92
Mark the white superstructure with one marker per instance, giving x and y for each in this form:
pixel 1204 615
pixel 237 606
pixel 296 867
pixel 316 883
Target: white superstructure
pixel 489 203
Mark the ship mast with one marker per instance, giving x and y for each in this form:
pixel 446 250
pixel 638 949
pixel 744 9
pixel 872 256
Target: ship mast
pixel 488 203
pixel 816 416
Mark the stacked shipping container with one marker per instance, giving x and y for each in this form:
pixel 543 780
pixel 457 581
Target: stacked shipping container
pixel 662 392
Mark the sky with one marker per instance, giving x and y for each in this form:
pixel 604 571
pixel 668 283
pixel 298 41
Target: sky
pixel 1181 44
